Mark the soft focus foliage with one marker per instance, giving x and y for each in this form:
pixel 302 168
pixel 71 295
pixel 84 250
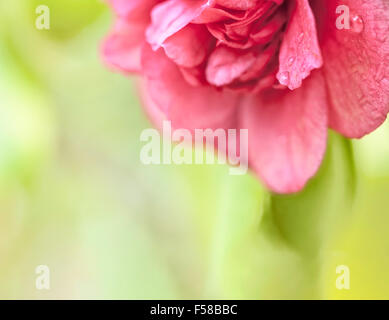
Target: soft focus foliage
pixel 74 196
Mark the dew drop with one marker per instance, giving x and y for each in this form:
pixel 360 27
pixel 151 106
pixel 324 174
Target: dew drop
pixel 291 60
pixel 357 24
pixel 284 77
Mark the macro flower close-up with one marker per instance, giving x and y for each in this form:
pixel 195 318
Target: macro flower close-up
pixel 285 70
pixel 185 155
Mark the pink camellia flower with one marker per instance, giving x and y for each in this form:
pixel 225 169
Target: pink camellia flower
pixel 284 69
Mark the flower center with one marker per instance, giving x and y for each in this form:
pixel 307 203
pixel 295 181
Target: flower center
pixel 247 41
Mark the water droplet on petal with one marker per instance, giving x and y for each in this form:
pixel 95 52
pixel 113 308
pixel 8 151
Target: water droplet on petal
pixel 357 24
pixel 291 60
pixel 284 77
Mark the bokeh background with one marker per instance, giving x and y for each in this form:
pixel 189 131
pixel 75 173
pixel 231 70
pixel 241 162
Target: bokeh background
pixel 75 197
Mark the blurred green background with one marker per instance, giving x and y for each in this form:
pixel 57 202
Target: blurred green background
pixel 75 197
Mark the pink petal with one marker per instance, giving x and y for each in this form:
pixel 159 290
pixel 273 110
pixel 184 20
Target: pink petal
pixel 226 64
pixel 133 9
pixel 237 4
pixel 287 134
pixel 186 106
pixel 262 61
pixel 356 65
pixel 300 51
pixel 157 117
pixel 194 76
pixel 189 46
pixel 211 15
pixel 122 48
pixel 171 16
